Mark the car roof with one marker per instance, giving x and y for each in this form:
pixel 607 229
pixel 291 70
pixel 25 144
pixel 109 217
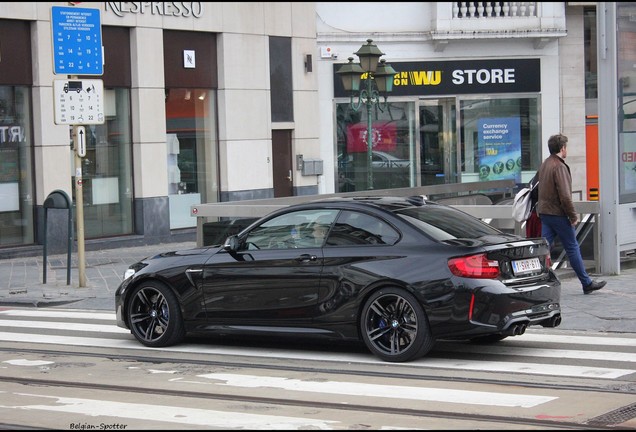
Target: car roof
pixel 390 203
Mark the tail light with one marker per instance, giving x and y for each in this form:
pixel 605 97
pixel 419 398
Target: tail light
pixel 474 266
pixel 548 261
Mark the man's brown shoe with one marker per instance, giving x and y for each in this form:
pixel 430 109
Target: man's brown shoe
pixel 594 286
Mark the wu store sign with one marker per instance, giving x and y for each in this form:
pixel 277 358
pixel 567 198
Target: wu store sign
pixel 461 77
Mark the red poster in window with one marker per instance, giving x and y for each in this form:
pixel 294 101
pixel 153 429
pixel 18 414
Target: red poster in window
pixel 383 132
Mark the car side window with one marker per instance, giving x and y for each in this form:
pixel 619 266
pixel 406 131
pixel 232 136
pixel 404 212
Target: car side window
pixel 299 229
pixel 355 228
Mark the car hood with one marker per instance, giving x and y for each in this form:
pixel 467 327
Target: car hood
pixel 183 253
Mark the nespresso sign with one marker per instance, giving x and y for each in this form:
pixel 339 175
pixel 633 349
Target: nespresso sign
pixel 177 9
pixel 460 77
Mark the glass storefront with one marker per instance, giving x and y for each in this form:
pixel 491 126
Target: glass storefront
pixel 192 152
pixel 393 155
pixel 446 122
pixel 107 170
pixel 626 59
pixel 488 139
pixel 500 138
pixel 16 185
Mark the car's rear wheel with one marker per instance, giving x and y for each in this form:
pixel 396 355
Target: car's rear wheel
pixel 394 326
pixel 154 315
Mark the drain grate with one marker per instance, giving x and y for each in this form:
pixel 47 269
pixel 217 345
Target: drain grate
pixel 614 417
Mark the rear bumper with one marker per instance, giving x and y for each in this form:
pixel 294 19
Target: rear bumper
pixel 509 311
pixel 485 307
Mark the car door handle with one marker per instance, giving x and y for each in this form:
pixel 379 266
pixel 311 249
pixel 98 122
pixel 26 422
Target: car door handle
pixel 306 257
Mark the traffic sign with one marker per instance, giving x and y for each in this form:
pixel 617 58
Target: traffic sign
pixel 80 140
pixel 77 41
pixel 78 102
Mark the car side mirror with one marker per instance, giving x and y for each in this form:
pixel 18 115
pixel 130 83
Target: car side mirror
pixel 231 244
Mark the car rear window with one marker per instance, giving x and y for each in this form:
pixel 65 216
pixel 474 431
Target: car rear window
pixel 445 223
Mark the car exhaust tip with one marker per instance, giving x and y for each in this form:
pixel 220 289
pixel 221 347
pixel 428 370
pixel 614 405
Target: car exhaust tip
pixel 555 321
pixel 515 329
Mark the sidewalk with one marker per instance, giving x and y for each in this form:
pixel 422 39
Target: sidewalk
pixel 612 309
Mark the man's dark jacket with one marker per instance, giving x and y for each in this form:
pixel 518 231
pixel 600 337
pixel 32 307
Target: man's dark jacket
pixel 555 188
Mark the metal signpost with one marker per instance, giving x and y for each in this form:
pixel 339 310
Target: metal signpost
pixel 77 50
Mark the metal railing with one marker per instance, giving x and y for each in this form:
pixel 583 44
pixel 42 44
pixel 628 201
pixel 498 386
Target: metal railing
pixel 494 9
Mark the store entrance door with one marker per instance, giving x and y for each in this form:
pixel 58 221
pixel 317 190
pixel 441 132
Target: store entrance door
pixel 438 142
pixel 282 163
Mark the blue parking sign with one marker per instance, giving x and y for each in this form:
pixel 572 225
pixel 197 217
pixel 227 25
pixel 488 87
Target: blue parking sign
pixel 77 41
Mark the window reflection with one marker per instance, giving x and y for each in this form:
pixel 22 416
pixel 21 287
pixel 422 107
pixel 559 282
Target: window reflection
pixel 16 188
pixel 107 170
pixel 393 155
pixel 191 152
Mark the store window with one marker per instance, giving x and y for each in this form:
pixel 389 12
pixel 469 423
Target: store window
pixel 625 61
pixel 106 170
pixel 499 139
pixel 280 79
pixel 190 68
pixel 16 137
pixel 107 184
pixel 16 186
pixel 393 153
pixel 192 154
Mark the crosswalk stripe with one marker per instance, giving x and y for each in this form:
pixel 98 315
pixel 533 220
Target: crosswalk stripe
pixel 60 313
pixel 429 394
pixel 170 414
pixel 501 350
pixel 426 363
pixel 56 325
pixel 529 336
pixel 498 349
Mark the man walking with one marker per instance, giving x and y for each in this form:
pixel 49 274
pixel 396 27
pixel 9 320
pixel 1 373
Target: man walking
pixel 556 210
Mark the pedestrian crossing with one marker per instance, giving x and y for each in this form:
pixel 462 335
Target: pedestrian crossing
pixel 545 352
pixel 617 353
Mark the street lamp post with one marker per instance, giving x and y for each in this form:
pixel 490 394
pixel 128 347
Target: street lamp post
pixel 378 81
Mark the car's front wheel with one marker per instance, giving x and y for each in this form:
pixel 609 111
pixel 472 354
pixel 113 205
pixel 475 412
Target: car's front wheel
pixel 154 315
pixel 394 326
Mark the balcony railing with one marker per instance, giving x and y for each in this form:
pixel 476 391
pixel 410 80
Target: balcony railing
pixel 541 22
pixel 463 10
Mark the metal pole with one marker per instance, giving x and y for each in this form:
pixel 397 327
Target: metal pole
pixel 79 211
pixel 45 261
pixel 609 135
pixel 369 104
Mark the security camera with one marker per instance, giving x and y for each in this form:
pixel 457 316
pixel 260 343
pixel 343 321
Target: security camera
pixel 334 56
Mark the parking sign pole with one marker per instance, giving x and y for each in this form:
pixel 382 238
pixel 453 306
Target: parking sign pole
pixel 76 34
pixel 79 144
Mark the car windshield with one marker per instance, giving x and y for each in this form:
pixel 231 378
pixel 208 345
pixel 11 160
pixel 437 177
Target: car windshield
pixel 446 223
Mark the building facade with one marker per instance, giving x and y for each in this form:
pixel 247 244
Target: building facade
pixel 480 86
pixel 207 102
pixel 203 102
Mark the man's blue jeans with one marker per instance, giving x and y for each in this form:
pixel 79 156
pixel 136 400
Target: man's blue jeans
pixel 552 226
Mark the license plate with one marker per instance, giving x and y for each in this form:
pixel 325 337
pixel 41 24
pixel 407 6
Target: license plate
pixel 526 266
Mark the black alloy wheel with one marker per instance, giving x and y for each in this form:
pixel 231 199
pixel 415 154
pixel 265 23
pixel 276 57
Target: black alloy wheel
pixel 154 315
pixel 394 326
